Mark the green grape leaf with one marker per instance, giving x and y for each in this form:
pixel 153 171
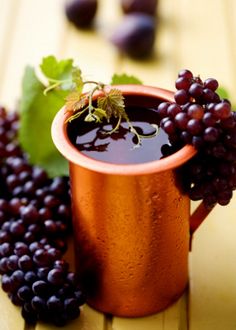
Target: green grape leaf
pixel 122 79
pixel 58 70
pixel 36 115
pixel 75 101
pixel 222 92
pixel 112 103
pixel 77 79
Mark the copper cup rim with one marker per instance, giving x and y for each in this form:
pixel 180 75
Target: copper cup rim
pixel 73 155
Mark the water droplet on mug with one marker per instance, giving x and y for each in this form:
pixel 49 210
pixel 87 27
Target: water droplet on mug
pixel 155 197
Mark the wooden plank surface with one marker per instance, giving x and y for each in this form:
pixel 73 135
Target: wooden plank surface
pixel 205 43
pixel 213 270
pixel 10 316
pixel 36 30
pixel 199 35
pixel 202 39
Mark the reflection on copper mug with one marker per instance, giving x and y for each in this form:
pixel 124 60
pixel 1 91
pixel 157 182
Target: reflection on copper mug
pixel 131 223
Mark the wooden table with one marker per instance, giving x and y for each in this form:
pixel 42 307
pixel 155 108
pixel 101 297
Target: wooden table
pixel 199 35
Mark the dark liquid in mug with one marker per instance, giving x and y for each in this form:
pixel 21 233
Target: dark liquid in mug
pixel 120 147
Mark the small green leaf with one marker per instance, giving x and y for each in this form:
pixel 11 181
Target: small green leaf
pixel 223 93
pixel 75 101
pixel 122 79
pixel 100 114
pixel 37 112
pixel 112 103
pixel 89 118
pixel 57 70
pixel 77 79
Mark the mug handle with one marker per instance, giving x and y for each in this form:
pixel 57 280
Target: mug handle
pixel 198 216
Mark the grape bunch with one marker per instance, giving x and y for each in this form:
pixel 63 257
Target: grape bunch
pixel 35 218
pixel 201 118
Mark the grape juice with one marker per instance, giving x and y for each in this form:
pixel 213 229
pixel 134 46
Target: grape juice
pixel 120 147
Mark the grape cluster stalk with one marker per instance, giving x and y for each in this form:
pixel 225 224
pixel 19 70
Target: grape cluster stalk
pixel 35 218
pixel 201 118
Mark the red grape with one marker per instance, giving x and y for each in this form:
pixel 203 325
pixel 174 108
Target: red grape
pixel 135 36
pixel 140 6
pixel 81 12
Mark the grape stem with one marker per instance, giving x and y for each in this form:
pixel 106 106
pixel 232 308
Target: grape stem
pixel 95 114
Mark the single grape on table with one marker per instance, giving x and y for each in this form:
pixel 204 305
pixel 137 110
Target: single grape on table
pixel 81 13
pixel 135 36
pixel 139 6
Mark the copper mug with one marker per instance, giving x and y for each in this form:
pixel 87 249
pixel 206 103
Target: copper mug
pixel 132 223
